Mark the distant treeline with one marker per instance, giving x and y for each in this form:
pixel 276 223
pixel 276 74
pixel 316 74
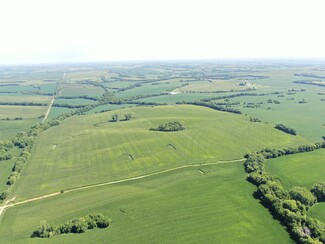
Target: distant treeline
pixel 79 97
pixel 309 75
pixel 239 95
pixel 288 207
pixel 23 104
pixel 213 106
pixel 310 83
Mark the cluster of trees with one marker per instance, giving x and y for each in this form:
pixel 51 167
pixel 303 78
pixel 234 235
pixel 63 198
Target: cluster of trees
pixel 79 225
pixel 170 126
pixel 251 119
pixel 288 207
pixel 285 129
pixel 273 101
pixel 116 117
pixel 213 106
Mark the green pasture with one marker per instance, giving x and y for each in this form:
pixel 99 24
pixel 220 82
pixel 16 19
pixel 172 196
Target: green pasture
pixel 317 211
pixel 302 169
pixel 209 204
pixel 9 128
pixel 25 98
pixel 55 111
pixel 149 88
pixel 76 89
pixel 26 112
pixel 91 149
pixel 75 101
pixel 107 107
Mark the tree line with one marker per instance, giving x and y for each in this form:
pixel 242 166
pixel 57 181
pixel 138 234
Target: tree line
pixel 285 129
pixel 290 207
pixel 76 226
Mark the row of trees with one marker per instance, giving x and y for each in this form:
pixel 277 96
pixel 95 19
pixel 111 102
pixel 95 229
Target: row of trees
pixel 213 106
pixel 23 104
pixel 286 129
pixel 289 207
pixel 80 225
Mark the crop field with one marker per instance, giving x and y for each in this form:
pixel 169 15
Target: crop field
pixel 103 141
pixel 217 85
pixel 75 89
pixel 317 211
pixel 304 169
pixel 163 209
pixel 88 146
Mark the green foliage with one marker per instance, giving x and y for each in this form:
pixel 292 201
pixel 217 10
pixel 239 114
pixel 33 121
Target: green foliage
pixel 76 226
pixel 285 129
pixel 289 207
pixel 127 116
pixel 115 117
pixel 319 191
pixel 170 126
pixel 303 195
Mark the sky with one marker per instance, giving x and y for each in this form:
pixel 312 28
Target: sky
pixel 47 31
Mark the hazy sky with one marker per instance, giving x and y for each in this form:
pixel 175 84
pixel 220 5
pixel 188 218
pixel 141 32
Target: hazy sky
pixel 94 30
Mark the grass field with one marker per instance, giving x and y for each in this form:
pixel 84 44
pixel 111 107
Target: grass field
pixel 186 206
pixel 304 169
pixel 75 89
pixel 26 112
pixel 318 211
pixel 90 149
pixel 215 85
pixel 26 98
pixel 193 187
pixel 9 128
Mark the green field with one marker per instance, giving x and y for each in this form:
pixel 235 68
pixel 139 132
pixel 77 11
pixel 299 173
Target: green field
pixel 26 112
pixel 304 169
pixel 90 149
pixel 186 186
pixel 317 211
pixel 186 206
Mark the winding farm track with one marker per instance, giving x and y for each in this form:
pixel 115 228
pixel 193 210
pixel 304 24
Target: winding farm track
pixel 10 203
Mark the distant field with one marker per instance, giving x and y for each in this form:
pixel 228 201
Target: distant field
pixel 179 97
pixel 186 206
pixel 75 89
pixel 149 88
pixel 55 111
pixel 26 112
pixel 90 149
pixel 109 107
pixel 26 98
pixel 303 169
pixel 216 85
pixel 77 101
pixel 88 75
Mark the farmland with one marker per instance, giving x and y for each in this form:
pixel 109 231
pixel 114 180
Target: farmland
pixel 98 150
